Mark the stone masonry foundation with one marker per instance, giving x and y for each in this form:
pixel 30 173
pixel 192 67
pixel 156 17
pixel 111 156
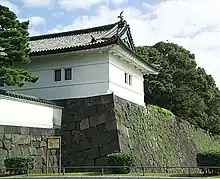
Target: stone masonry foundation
pixel 18 141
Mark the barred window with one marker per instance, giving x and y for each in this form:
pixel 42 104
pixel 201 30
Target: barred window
pixel 126 78
pixel 57 75
pixel 68 74
pixel 130 80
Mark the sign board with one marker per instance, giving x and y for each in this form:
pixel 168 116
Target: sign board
pixel 53 142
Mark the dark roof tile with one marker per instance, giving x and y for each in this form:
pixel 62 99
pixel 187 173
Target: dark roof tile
pixel 83 39
pixel 27 97
pixel 76 38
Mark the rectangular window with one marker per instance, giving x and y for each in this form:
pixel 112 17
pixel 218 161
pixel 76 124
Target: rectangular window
pixel 57 75
pixel 130 80
pixel 126 78
pixel 68 74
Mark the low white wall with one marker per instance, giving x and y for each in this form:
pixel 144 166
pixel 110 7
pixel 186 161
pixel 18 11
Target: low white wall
pixel 17 112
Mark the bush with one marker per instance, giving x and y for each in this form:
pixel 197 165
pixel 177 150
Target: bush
pixel 19 165
pixel 122 159
pixel 207 160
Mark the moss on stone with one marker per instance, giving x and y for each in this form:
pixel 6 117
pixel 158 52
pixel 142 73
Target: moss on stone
pixel 160 139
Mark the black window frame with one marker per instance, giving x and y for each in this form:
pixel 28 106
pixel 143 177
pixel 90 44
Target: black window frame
pixel 130 80
pixel 57 77
pixel 126 77
pixel 68 76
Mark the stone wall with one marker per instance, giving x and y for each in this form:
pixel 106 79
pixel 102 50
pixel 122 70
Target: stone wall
pixel 88 130
pixel 158 138
pixel 18 141
pixel 94 127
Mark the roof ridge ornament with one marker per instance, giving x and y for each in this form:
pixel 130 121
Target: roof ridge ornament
pixel 121 17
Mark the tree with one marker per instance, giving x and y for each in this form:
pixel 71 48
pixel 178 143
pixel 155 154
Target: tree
pixel 14 49
pixel 182 87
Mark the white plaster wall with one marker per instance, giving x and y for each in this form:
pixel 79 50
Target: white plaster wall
pixel 19 113
pixel 92 74
pixel 89 76
pixel 117 69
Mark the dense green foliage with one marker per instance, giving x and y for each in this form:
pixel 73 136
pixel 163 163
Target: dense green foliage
pixel 122 159
pixel 159 138
pixel 14 48
pixel 19 165
pixel 207 159
pixel 182 87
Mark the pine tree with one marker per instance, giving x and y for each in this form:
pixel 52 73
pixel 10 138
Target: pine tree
pixel 13 49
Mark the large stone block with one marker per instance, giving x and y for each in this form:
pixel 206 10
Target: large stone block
pixel 21 139
pixel 1 144
pixel 8 136
pixel 32 150
pixel 112 136
pixel 43 144
pixel 109 107
pixel 24 130
pixel 124 147
pixel 107 99
pixel 94 152
pixel 3 156
pixel 2 129
pixel 84 145
pixel 69 126
pixel 36 144
pixel 84 124
pixel 101 108
pixel 93 100
pixel 7 144
pixel 99 119
pixel 101 161
pixel 12 130
pixel 111 125
pixel 15 151
pixel 35 138
pixel 25 150
pixel 91 133
pixel 123 129
pixel 109 148
pixel 1 137
pixel 89 111
pixel 41 151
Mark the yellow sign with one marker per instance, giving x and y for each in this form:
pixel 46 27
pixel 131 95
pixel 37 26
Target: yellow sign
pixel 53 143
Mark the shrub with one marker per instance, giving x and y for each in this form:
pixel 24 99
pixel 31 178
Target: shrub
pixel 19 165
pixel 207 160
pixel 122 159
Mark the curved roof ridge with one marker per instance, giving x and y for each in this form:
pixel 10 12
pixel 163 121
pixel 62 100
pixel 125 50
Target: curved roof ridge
pixel 73 32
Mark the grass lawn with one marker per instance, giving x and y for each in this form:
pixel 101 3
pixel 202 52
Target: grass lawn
pixel 98 174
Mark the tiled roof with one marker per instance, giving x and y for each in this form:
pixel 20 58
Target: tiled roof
pixel 78 38
pixel 84 39
pixel 26 97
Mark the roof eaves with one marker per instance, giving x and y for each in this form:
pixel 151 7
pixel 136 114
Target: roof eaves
pixel 121 44
pixel 27 98
pixel 127 28
pixel 130 36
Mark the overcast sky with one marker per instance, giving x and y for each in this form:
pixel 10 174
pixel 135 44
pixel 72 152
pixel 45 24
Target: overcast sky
pixel 194 24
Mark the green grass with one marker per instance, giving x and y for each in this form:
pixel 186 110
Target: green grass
pixel 98 174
